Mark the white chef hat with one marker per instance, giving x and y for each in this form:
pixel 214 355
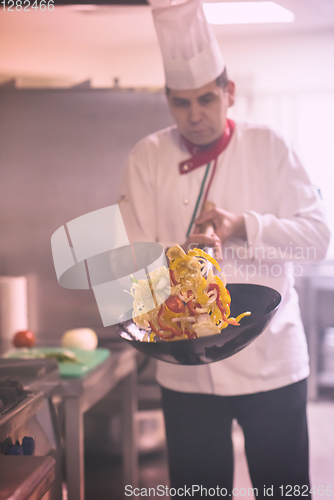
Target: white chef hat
pixel 190 51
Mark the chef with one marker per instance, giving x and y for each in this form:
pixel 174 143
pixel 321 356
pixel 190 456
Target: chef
pixel 268 218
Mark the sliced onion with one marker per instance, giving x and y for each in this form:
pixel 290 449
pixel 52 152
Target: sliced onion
pixel 163 283
pixel 222 277
pixel 185 298
pixel 204 265
pixel 201 310
pixel 211 277
pixel 191 319
pixel 175 290
pixel 205 328
pixel 213 296
pixel 211 301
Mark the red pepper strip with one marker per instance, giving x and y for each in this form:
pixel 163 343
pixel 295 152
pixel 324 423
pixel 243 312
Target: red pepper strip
pixel 230 321
pixel 229 296
pixel 218 301
pixel 191 306
pixel 190 335
pixel 163 326
pixel 172 277
pixel 160 333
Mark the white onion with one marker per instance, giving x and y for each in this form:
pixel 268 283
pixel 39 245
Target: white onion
pixel 204 264
pixel 204 326
pixel 211 277
pixel 191 319
pixel 205 331
pixel 213 296
pixel 163 283
pixel 211 300
pixel 203 318
pixel 81 338
pixel 185 299
pixel 201 310
pixel 222 277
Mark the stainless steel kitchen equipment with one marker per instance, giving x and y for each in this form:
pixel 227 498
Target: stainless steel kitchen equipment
pixel 35 416
pixel 29 426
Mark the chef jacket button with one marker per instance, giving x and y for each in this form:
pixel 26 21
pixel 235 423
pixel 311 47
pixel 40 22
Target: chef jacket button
pixel 186 201
pixel 185 167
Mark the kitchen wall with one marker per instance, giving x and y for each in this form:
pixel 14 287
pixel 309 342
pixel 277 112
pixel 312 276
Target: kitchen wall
pixel 62 155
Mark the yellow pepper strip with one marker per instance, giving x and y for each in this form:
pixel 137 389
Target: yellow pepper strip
pixel 202 298
pixel 175 252
pixel 170 314
pixel 202 285
pixel 173 265
pixel 224 296
pixel 216 313
pixel 222 288
pixel 238 318
pixel 198 252
pixel 200 295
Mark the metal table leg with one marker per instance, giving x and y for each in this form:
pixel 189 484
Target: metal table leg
pixel 74 445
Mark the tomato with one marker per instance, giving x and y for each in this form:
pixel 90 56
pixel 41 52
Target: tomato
pixel 175 304
pixel 24 338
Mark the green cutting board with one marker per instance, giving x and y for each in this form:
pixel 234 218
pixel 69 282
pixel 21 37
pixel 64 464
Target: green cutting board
pixel 87 360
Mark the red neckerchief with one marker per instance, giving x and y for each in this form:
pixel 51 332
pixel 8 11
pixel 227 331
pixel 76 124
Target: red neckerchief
pixel 201 155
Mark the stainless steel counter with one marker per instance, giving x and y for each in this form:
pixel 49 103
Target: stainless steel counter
pixel 26 478
pixel 15 418
pixel 81 394
pixel 78 395
pixel 316 279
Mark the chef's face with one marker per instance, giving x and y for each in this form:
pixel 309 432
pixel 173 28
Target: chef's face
pixel 200 114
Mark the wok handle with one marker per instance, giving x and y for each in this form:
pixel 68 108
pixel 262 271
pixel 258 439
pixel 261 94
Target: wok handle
pixel 207 227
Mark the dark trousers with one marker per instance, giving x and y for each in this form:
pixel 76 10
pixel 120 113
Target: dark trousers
pixel 198 428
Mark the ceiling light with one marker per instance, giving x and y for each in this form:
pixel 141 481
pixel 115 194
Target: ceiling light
pixel 246 13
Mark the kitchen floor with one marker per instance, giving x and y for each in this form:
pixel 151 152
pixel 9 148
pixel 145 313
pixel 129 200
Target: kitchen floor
pixel 104 474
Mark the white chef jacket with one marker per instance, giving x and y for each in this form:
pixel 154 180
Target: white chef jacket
pixel 257 175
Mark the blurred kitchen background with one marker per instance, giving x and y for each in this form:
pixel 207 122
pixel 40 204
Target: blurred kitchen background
pixel 79 86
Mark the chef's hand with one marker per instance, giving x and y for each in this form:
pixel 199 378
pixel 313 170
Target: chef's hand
pixel 196 239
pixel 226 224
